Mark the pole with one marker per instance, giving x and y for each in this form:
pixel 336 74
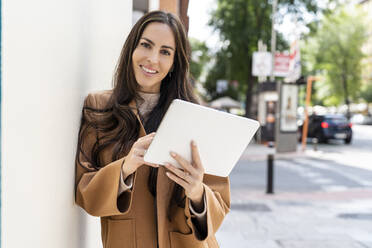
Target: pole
pixel 270 174
pixel 261 48
pixel 277 135
pixel 306 121
pixel 273 40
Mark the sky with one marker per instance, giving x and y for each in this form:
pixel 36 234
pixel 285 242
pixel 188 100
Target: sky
pixel 199 16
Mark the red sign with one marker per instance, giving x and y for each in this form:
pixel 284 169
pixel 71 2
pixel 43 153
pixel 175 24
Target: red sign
pixel 281 64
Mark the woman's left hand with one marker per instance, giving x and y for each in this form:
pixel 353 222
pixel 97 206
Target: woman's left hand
pixel 191 177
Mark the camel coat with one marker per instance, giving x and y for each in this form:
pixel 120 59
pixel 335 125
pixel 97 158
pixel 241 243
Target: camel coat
pixel 134 219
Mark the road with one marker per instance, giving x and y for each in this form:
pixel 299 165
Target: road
pixel 322 198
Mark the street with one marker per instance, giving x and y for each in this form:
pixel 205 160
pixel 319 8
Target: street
pixel 322 198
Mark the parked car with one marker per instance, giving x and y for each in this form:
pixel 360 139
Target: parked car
pixel 361 119
pixel 330 126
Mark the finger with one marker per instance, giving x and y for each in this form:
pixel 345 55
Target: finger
pixel 146 136
pixel 140 152
pixel 184 163
pixel 150 134
pixel 144 142
pixel 195 155
pixel 177 180
pixel 180 173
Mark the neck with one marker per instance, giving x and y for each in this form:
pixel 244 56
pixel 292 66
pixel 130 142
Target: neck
pixel 148 92
pixel 146 102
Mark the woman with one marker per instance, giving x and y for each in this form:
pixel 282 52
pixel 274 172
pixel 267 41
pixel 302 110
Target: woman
pixel 142 204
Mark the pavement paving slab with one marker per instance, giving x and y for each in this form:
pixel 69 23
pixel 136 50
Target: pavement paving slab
pixel 322 199
pixel 319 244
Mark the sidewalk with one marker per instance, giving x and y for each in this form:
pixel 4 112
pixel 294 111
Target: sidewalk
pixel 256 152
pixel 339 219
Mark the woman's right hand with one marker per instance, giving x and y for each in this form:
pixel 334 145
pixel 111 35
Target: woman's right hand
pixel 135 156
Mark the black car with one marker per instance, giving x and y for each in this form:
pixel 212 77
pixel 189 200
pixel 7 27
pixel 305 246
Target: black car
pixel 325 127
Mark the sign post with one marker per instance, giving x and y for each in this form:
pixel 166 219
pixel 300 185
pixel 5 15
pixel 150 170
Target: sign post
pixel 286 131
pixel 261 65
pixel 221 86
pixel 281 67
pixel 307 103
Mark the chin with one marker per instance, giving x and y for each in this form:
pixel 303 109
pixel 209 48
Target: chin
pixel 149 87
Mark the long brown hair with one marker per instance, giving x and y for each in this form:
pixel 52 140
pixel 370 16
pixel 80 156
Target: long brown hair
pixel 117 124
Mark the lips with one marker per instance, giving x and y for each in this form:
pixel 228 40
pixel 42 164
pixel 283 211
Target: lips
pixel 148 70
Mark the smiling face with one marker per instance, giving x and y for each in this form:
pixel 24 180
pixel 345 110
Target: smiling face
pixel 153 57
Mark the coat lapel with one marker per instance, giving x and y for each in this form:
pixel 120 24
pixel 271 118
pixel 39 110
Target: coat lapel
pixel 134 109
pixel 164 188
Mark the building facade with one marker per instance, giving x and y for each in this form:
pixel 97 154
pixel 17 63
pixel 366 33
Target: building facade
pixel 178 7
pixel 53 53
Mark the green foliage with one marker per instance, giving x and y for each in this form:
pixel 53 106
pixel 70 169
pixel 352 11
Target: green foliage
pixel 367 93
pixel 199 57
pixel 240 24
pixel 335 51
pixel 217 72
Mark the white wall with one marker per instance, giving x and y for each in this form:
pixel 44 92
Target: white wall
pixel 153 5
pixel 54 52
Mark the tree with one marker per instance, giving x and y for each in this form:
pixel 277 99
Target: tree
pixel 218 72
pixel 338 54
pixel 241 23
pixel 199 57
pixel 367 94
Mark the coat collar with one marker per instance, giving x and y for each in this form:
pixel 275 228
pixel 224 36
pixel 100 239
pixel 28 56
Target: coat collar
pixel 133 107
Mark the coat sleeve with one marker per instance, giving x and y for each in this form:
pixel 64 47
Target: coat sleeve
pixel 97 189
pixel 217 203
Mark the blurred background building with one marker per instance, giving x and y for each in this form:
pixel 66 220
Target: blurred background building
pixel 178 7
pixel 53 54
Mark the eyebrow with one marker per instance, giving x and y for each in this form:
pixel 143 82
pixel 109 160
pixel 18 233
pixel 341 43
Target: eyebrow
pixel 152 43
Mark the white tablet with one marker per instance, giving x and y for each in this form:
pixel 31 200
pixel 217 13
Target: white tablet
pixel 220 137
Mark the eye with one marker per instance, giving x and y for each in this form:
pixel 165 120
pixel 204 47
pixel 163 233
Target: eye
pixel 165 52
pixel 145 44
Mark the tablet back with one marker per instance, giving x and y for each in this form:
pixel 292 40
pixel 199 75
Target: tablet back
pixel 220 137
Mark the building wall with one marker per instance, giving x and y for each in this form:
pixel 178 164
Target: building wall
pixel 53 54
pixel 178 7
pixel 184 6
pixel 169 5
pixel 141 7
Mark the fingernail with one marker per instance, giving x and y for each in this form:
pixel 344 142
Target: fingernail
pixel 193 143
pixel 167 173
pixel 173 154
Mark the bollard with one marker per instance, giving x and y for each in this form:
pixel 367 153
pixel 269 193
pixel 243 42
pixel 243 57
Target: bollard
pixel 270 144
pixel 315 144
pixel 270 174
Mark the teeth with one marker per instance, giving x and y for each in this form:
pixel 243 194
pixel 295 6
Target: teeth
pixel 147 70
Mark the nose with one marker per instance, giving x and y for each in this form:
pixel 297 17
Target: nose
pixel 153 57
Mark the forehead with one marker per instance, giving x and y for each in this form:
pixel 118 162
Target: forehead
pixel 160 33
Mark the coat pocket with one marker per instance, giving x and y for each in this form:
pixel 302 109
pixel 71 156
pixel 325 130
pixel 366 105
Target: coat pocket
pixel 180 240
pixel 121 233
